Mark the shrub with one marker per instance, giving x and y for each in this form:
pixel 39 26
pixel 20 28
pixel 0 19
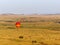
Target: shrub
pixel 20 37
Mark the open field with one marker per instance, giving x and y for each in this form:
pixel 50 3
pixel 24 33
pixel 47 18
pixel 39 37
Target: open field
pixel 34 30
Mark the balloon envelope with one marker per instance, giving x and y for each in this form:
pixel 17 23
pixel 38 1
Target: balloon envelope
pixel 18 24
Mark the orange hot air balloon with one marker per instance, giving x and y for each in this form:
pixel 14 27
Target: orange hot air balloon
pixel 18 24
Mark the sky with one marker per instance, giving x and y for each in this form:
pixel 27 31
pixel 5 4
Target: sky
pixel 30 6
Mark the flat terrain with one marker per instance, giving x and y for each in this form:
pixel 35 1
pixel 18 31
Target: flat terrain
pixel 34 30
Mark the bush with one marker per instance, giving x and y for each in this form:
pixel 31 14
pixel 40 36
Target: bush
pixel 20 37
pixel 34 41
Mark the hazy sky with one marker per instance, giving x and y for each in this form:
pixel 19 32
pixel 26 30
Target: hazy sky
pixel 30 6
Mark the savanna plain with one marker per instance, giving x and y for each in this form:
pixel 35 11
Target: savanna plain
pixel 34 30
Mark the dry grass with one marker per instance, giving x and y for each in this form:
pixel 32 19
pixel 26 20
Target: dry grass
pixel 40 30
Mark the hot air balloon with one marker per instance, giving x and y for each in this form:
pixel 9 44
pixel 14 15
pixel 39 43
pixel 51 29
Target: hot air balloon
pixel 18 24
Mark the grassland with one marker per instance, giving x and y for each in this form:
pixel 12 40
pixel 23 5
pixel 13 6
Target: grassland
pixel 34 30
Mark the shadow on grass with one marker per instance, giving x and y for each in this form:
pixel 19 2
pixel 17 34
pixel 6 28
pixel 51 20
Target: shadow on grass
pixel 42 43
pixel 11 28
pixel 16 40
pixel 12 39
